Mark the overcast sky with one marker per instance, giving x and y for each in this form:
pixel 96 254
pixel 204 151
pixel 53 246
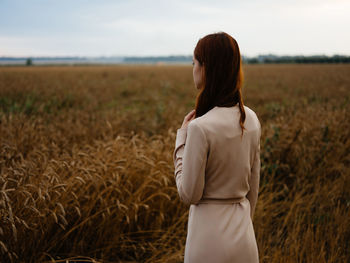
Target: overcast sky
pixel 155 27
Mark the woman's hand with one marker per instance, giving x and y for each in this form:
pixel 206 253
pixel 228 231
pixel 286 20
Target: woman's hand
pixel 189 117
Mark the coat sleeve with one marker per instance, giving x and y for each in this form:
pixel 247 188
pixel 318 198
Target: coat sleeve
pixel 190 158
pixel 254 180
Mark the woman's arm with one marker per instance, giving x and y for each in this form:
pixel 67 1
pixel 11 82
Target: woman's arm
pixel 254 180
pixel 190 158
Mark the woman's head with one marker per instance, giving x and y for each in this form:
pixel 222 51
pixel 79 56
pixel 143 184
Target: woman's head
pixel 218 73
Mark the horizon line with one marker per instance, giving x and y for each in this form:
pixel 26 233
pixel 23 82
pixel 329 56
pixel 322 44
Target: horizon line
pixel 171 55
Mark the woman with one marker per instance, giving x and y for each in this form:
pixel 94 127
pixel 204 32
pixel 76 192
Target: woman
pixel 217 158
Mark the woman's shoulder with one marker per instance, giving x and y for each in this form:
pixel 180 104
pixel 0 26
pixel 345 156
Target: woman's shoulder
pixel 196 127
pixel 249 110
pixel 197 122
pixel 205 119
pixel 252 115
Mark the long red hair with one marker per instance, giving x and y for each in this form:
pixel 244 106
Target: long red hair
pixel 222 76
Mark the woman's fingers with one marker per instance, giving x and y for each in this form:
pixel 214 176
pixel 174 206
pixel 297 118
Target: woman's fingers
pixel 190 115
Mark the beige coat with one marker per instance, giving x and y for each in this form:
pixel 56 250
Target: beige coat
pixel 217 173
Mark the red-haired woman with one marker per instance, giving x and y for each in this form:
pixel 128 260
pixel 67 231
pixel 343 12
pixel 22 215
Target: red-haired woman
pixel 217 158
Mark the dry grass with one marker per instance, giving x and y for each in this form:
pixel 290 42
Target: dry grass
pixel 87 174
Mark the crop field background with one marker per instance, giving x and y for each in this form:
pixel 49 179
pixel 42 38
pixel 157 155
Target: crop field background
pixel 86 168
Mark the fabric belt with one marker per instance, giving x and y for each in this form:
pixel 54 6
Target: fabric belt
pixel 221 200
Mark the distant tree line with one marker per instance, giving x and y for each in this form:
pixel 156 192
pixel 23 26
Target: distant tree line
pixel 29 62
pixel 266 59
pixel 261 59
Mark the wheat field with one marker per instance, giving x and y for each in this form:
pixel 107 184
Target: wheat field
pixel 86 171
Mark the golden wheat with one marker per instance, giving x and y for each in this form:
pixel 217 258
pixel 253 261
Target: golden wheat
pixel 87 173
